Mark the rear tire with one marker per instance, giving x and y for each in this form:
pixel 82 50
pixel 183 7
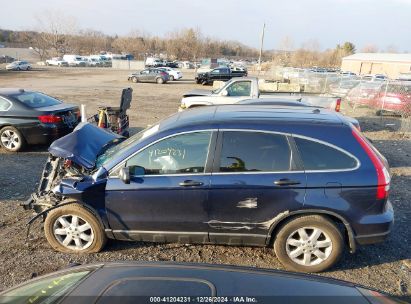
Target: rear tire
pixel 310 243
pixel 160 80
pixel 11 139
pixel 74 229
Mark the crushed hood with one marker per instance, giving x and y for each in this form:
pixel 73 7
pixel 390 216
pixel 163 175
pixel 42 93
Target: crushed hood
pixel 198 92
pixel 83 145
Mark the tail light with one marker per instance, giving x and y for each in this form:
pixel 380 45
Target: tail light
pixel 338 105
pixel 383 177
pixel 51 119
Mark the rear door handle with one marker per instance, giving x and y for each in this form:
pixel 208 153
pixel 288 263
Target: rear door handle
pixel 286 182
pixel 190 183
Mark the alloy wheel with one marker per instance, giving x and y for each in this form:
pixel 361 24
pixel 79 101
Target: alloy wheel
pixel 73 232
pixel 10 139
pixel 309 246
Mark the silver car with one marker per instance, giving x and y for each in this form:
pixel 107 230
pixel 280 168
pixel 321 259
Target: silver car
pixel 18 66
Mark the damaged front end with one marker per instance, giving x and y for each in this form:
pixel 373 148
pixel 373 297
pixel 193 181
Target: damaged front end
pixel 70 163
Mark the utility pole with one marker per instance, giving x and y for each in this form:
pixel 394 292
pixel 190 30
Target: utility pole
pixel 261 49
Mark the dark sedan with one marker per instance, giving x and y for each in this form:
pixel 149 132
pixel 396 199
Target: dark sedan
pixel 29 117
pixel 129 282
pixel 150 75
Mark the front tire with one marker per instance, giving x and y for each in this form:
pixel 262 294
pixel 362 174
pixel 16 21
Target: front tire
pixel 309 243
pixel 171 78
pixel 11 139
pixel 74 229
pixel 134 79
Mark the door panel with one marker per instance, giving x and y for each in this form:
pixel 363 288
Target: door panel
pixel 158 203
pixel 254 181
pixel 170 199
pixel 248 203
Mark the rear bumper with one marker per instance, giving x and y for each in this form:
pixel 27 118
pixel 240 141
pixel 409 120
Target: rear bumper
pixel 41 134
pixel 376 227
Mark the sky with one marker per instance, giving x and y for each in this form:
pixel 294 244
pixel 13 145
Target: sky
pixel 324 23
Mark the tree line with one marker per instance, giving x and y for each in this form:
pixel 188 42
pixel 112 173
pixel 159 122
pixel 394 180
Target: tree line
pixel 56 35
pixel 184 44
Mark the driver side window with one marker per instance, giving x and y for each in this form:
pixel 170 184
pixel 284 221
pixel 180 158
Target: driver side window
pixel 185 153
pixel 241 88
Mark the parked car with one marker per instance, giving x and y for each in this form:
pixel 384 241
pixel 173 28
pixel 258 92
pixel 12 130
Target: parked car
pixel 173 74
pixel 29 117
pixel 404 77
pixel 131 282
pixel 6 59
pixel 18 66
pixel 394 97
pixel 186 65
pixel 238 89
pixel 75 60
pixel 93 62
pixel 342 87
pixel 221 73
pixel 364 93
pixel 347 74
pixel 172 64
pixel 153 62
pixel 372 77
pixel 232 175
pixel 150 75
pixel 56 61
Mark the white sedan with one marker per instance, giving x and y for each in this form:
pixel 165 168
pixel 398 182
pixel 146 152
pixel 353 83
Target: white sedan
pixel 173 74
pixel 18 66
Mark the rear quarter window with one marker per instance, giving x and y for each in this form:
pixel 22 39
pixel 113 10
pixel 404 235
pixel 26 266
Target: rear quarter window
pixel 4 104
pixel 36 100
pixel 319 156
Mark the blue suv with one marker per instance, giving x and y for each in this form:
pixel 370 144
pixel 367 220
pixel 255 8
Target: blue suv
pixel 303 181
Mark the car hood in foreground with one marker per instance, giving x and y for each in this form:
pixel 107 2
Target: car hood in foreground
pixel 198 92
pixel 83 145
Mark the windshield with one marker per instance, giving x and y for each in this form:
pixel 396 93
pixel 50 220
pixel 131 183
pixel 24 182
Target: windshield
pixel 47 290
pixel 35 99
pixel 123 146
pixel 216 91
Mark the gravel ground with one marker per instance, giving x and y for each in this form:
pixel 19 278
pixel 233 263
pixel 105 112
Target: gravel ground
pixel 385 266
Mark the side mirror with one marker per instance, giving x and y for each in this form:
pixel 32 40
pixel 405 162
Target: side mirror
pixel 137 170
pixel 224 93
pixel 124 175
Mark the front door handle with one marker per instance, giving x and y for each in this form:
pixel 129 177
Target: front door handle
pixel 190 183
pixel 286 182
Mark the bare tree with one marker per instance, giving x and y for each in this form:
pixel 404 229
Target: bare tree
pixel 55 28
pixel 369 48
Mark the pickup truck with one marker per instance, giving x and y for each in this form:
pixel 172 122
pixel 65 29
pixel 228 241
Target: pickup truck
pixel 57 61
pixel 239 89
pixel 221 73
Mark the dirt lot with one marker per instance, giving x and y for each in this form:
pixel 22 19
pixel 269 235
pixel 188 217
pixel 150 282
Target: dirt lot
pixel 386 266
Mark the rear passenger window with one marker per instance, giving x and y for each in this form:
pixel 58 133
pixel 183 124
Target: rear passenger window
pixel 4 104
pixel 317 156
pixel 253 151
